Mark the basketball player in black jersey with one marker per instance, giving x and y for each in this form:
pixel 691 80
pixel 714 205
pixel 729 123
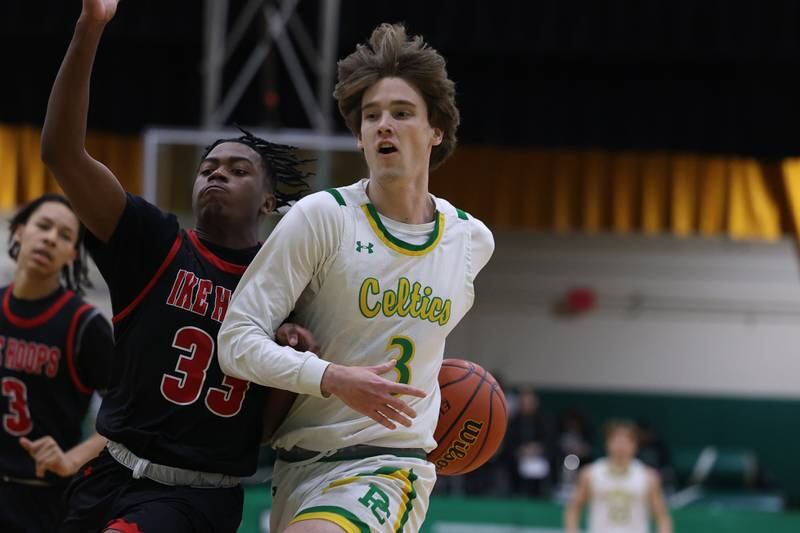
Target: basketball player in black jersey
pixel 54 350
pixel 181 433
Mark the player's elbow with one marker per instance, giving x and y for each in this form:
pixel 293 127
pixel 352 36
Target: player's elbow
pixel 57 157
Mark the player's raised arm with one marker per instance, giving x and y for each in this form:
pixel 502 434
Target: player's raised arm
pixel 95 193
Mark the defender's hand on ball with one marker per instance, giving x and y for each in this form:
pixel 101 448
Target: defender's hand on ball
pixel 364 390
pixel 49 456
pixel 99 11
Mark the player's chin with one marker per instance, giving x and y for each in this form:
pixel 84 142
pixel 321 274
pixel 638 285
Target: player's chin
pixel 213 208
pixel 388 173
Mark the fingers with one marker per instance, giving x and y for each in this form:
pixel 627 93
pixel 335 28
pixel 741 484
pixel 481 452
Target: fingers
pixel 401 407
pixel 408 390
pixel 380 418
pixel 36 446
pixel 395 416
pixel 47 461
pixel 383 367
pixel 297 337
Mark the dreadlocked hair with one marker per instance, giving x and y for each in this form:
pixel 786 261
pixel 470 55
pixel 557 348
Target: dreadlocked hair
pixel 76 276
pixel 285 180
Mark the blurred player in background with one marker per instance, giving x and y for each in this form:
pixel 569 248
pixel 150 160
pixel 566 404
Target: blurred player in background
pixel 181 432
pixel 621 491
pixel 54 350
pixel 381 271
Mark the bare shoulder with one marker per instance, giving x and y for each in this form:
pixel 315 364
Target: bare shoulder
pixel 653 477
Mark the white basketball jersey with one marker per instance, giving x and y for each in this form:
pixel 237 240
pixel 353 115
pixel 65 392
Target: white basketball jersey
pixel 368 296
pixel 618 501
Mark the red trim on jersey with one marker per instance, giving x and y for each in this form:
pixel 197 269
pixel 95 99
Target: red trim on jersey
pixel 73 372
pixel 39 319
pixel 231 268
pixel 167 260
pixel 122 525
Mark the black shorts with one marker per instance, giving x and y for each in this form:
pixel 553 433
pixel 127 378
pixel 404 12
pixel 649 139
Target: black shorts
pixel 104 494
pixel 24 508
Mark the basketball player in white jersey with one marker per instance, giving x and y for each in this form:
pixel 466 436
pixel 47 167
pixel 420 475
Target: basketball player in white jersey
pixel 621 491
pixel 381 271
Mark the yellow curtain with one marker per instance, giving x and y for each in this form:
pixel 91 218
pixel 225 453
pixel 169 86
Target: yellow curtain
pixel 589 191
pixel 790 170
pixel 23 176
pixel 622 192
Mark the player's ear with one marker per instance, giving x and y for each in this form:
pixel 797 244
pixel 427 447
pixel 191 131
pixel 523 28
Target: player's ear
pixel 16 242
pixel 268 205
pixel 359 143
pixel 438 136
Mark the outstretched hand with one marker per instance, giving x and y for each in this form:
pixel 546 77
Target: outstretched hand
pixel 364 390
pixel 99 11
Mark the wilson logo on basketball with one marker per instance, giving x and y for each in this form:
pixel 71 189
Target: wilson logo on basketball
pixel 469 433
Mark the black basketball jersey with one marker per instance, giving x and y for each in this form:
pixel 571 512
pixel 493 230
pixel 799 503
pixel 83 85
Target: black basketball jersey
pixel 41 390
pixel 169 402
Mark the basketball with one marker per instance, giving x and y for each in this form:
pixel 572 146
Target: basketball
pixel 472 418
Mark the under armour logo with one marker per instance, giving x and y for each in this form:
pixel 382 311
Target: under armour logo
pixel 367 247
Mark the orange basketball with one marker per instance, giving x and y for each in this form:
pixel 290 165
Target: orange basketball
pixel 472 418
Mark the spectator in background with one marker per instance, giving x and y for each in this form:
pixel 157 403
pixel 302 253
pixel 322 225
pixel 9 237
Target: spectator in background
pixel 575 437
pixel 574 448
pixel 653 451
pixel 530 447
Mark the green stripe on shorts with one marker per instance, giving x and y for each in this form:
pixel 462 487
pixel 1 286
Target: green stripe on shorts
pixel 322 510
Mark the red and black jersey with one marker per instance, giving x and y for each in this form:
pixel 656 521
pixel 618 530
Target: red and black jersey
pixel 53 353
pixel 169 402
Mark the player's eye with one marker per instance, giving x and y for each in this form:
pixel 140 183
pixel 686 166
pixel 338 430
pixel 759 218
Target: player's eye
pixel 239 172
pixel 402 114
pixel 370 116
pixel 205 171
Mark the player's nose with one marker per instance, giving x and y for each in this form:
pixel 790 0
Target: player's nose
pixel 218 175
pixel 385 124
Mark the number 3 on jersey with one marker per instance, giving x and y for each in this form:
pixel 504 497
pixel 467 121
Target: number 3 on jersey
pixel 18 422
pixel 406 347
pixel 185 389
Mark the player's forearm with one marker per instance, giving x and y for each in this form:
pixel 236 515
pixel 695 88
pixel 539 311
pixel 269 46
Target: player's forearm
pixel 64 132
pixel 86 451
pixel 246 351
pixel 571 519
pixel 94 191
pixel 664 523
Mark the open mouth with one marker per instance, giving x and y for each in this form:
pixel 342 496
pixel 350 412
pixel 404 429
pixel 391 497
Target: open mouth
pixel 385 150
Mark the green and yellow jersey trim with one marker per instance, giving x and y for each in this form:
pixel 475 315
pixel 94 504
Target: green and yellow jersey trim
pixel 339 516
pixel 337 195
pixel 399 245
